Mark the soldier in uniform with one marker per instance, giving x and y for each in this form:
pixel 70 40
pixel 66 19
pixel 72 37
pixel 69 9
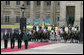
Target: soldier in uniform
pixel 63 27
pixel 69 27
pixel 40 33
pixel 77 27
pixel 53 28
pixel 5 37
pixel 26 37
pixel 12 38
pixel 40 28
pixel 46 27
pixel 34 27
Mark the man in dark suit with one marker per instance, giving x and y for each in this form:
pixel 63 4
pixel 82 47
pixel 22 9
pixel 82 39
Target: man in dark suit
pixel 12 37
pixel 5 37
pixel 19 38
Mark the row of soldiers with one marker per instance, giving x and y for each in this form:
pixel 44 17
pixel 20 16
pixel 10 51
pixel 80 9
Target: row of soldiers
pixel 53 28
pixel 15 35
pixel 76 28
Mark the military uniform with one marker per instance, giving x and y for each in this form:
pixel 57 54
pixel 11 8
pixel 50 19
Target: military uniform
pixel 5 37
pixel 70 28
pixel 46 27
pixel 40 27
pixel 34 27
pixel 63 27
pixel 53 28
pixel 26 37
pixel 76 27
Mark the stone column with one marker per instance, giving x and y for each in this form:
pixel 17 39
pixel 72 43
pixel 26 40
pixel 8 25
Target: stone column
pixel 55 12
pixel 32 15
pixel 77 13
pixel 62 13
pixel 81 9
pixel 12 10
pixel 1 12
pixel 42 16
pixel 52 12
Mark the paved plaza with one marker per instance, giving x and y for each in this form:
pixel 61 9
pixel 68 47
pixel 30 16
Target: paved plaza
pixel 57 48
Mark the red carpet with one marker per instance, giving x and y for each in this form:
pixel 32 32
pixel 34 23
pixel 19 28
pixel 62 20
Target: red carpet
pixel 33 45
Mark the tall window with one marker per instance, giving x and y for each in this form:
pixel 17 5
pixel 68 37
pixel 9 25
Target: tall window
pixel 28 2
pixel 7 18
pixel 37 17
pixel 58 24
pixel 7 2
pixel 17 19
pixel 17 2
pixel 48 3
pixel 28 17
pixel 58 2
pixel 48 17
pixel 58 18
pixel 38 3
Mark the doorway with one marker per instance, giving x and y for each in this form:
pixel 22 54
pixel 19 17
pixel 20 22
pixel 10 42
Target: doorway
pixel 70 15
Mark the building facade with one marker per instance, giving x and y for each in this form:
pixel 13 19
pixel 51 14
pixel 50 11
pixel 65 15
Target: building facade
pixel 75 10
pixel 55 11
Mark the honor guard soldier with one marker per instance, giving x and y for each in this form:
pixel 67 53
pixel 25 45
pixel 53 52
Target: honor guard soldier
pixel 70 28
pixel 46 27
pixel 34 27
pixel 53 28
pixel 77 27
pixel 63 27
pixel 5 37
pixel 40 27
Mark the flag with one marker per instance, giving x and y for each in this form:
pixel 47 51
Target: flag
pixel 36 21
pixel 46 21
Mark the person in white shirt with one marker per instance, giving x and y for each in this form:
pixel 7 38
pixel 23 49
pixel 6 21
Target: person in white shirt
pixel 5 37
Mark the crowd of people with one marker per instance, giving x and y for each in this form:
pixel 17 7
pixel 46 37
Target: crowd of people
pixel 26 35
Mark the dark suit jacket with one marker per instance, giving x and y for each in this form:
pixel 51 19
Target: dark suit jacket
pixel 6 36
pixel 12 35
pixel 19 36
